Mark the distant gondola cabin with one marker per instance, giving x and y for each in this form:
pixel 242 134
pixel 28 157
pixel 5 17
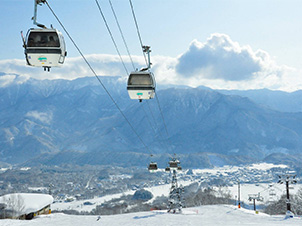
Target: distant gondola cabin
pixel 141 85
pixel 152 167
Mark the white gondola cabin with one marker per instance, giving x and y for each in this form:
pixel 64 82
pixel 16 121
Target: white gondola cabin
pixel 44 48
pixel 141 85
pixel 152 167
pixel 174 164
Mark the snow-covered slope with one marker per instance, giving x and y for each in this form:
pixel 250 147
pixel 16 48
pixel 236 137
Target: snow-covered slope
pixel 206 216
pixel 274 99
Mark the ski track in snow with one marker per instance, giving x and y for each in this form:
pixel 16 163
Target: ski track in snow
pixel 215 215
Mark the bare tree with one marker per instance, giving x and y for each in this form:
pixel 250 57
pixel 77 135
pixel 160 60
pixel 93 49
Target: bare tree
pixel 14 205
pixel 297 202
pixel 279 207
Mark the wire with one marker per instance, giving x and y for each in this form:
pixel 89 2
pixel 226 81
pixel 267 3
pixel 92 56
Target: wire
pixel 109 31
pixel 160 131
pixel 126 46
pixel 152 115
pixel 121 32
pixel 154 128
pixel 137 29
pixel 161 113
pixel 164 122
pixel 142 105
pixel 97 77
pixel 140 39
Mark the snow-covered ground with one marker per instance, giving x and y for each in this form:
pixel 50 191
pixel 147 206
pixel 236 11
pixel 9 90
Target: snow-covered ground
pixel 228 169
pixel 79 205
pixel 157 191
pixel 206 216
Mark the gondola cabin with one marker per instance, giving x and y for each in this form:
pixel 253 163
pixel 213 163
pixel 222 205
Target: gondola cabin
pixel 173 164
pixel 44 48
pixel 152 167
pixel 141 85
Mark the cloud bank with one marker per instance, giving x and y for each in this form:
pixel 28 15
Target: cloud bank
pixel 72 68
pixel 219 63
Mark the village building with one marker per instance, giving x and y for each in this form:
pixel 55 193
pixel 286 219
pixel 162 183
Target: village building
pixel 24 206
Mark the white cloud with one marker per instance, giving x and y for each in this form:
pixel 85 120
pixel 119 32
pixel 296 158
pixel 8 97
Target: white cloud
pixel 222 58
pixel 73 67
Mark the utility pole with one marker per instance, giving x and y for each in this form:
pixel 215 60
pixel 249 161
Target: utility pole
pixel 289 178
pixel 239 204
pixel 254 197
pixel 49 188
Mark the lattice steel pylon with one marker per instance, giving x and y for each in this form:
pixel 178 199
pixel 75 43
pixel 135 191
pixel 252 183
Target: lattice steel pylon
pixel 288 178
pixel 175 200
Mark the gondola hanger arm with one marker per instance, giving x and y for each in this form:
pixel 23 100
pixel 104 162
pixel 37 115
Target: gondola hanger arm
pixel 34 18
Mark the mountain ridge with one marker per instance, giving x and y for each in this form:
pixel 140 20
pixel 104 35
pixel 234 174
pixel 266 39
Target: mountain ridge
pixel 42 118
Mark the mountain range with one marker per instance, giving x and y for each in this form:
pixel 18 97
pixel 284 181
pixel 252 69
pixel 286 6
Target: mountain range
pixel 76 122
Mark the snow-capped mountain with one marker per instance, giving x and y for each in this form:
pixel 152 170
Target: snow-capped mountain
pixel 59 121
pixel 277 100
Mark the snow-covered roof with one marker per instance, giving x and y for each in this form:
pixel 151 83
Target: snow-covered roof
pixel 25 203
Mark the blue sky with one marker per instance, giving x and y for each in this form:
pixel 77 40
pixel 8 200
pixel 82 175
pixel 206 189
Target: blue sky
pixel 240 44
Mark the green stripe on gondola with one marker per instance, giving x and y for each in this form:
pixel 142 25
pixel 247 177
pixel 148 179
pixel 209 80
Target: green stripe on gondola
pixel 139 94
pixel 42 58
